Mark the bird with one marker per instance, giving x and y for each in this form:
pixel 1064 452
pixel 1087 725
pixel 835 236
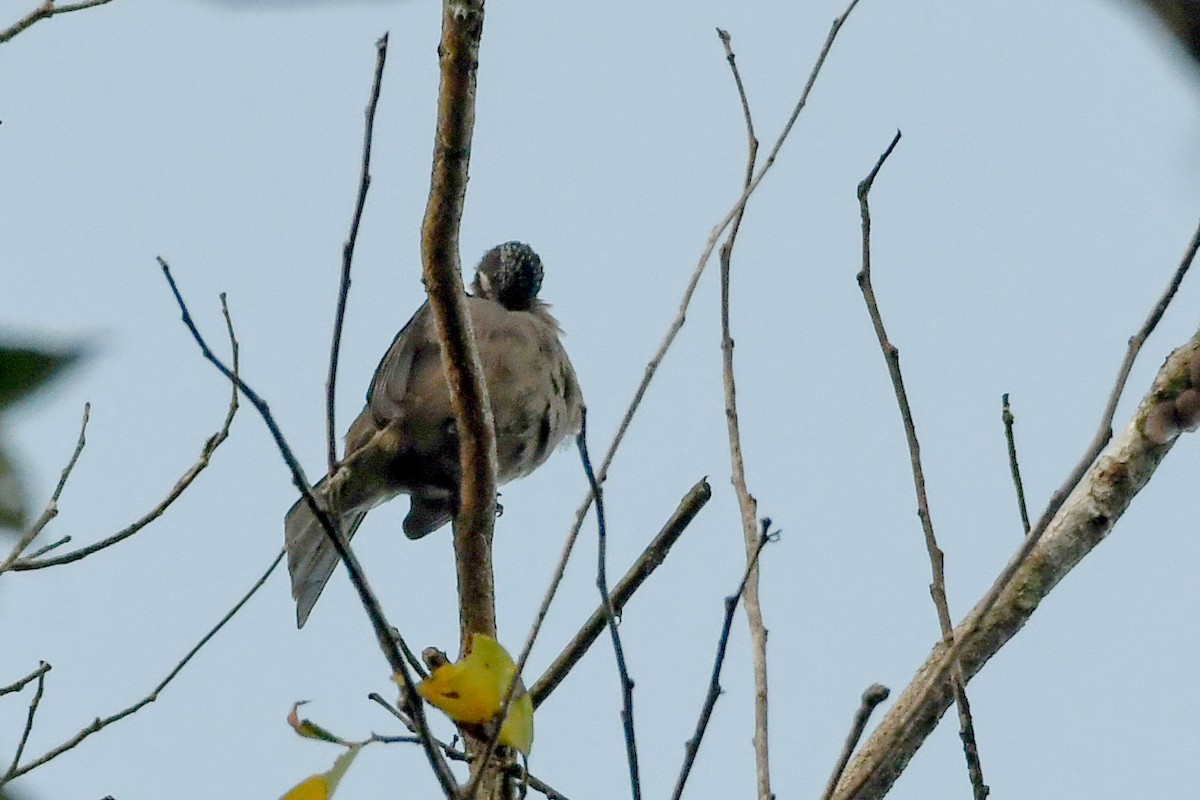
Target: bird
pixel 405 440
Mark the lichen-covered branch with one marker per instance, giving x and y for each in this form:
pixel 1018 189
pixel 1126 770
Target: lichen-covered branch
pixel 1083 520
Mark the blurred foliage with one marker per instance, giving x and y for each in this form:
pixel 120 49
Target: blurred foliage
pixel 1182 18
pixel 23 370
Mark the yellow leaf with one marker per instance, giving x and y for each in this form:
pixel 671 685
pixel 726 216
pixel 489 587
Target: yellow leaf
pixel 517 731
pixel 471 690
pixel 320 787
pixel 314 788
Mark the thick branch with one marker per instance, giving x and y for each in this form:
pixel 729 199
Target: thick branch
pixel 458 54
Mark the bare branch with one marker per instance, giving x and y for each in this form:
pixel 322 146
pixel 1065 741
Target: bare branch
pixel 649 560
pixel 100 724
pixel 51 510
pixel 385 635
pixel 746 502
pixel 1014 466
pixel 364 183
pixel 874 694
pixel 714 684
pixel 1080 514
pixel 937 587
pixel 45 11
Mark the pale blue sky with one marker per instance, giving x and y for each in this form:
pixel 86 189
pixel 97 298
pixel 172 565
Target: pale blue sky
pixel 1046 185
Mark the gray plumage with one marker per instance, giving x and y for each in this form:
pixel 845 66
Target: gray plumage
pixel 404 441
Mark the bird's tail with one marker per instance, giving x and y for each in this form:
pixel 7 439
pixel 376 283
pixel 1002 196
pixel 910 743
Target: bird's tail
pixel 312 558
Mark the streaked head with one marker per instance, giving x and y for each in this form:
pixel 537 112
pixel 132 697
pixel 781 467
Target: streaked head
pixel 510 274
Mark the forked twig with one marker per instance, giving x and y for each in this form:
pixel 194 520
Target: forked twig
pixel 937 587
pixel 33 708
pixel 364 183
pixel 18 685
pixel 51 510
pixel 714 684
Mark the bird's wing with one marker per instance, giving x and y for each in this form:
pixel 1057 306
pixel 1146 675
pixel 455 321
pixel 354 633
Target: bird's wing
pixel 390 383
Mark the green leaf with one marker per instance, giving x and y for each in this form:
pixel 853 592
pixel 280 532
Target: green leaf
pixel 311 730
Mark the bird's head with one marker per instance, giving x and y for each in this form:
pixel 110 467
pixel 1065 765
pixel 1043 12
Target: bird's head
pixel 510 274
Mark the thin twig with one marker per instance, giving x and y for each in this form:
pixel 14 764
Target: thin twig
pixel 46 548
pixel 45 11
pixel 874 694
pixel 33 708
pixel 101 723
pixel 898 735
pixel 210 446
pixel 651 557
pixel 631 753
pixel 409 655
pixel 746 502
pixel 1014 466
pixel 711 243
pixel 17 686
pixel 692 748
pixel 384 633
pixel 937 587
pixel 51 510
pixel 364 183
